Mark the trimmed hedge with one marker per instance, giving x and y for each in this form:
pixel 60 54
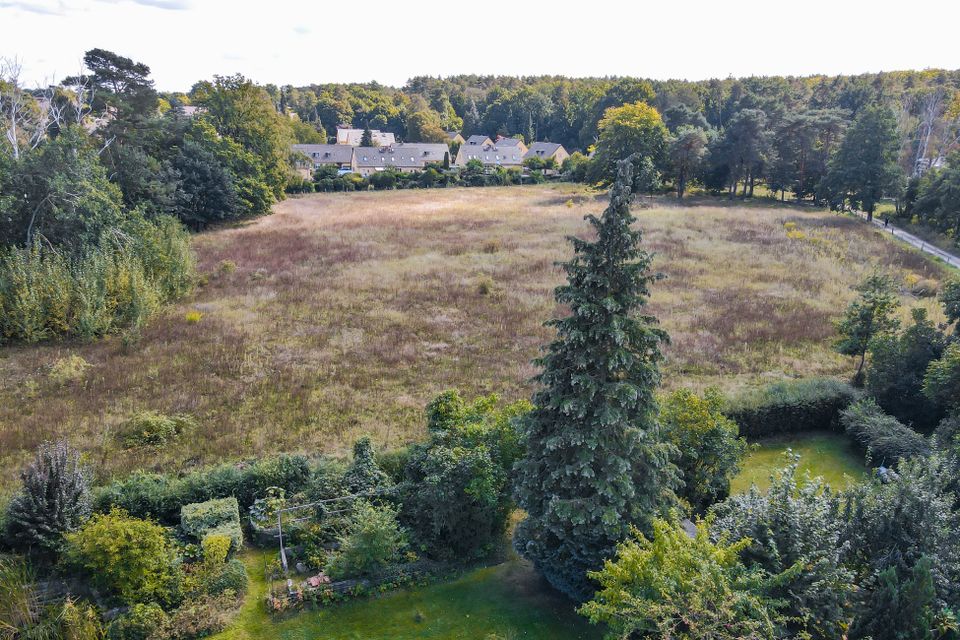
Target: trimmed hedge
pixel 160 496
pixel 884 438
pixel 214 517
pixel 813 404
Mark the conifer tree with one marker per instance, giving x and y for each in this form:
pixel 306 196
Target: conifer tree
pixel 54 499
pixel 595 463
pixel 366 139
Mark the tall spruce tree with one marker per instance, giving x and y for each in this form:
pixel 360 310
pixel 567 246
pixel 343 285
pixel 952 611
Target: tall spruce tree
pixel 595 463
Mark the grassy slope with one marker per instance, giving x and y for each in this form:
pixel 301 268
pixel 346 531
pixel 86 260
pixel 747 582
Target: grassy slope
pixel 507 600
pixel 830 455
pixel 346 313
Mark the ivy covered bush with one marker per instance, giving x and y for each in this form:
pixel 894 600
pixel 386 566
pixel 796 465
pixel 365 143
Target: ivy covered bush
pixel 811 404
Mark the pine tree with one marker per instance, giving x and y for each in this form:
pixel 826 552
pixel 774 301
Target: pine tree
pixel 595 463
pixel 366 139
pixel 471 119
pixel 364 474
pixel 54 499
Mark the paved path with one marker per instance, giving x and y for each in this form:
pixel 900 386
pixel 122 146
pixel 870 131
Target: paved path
pixel 919 243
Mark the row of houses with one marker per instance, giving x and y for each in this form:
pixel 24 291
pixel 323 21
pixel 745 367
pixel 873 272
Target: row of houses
pixel 405 157
pixel 348 156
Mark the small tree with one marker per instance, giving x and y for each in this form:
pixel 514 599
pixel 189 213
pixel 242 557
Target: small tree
pixel 372 540
pixel 897 367
pixel 366 139
pixel 595 462
pixel 687 151
pixel 869 316
pixel 707 442
pixel 54 499
pixel 675 586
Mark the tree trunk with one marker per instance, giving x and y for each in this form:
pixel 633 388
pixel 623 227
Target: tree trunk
pixel 681 185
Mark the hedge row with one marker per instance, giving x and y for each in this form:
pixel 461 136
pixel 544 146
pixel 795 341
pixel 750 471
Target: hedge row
pixel 220 516
pixel 159 496
pixel 812 404
pixel 884 438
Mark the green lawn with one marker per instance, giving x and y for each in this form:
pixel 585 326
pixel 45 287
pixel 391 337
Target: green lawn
pixel 830 455
pixel 507 601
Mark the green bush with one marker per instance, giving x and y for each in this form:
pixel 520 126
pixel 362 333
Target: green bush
pixel 373 539
pixel 138 623
pixel 161 496
pixel 232 576
pixel 128 557
pixel 214 517
pixel 885 440
pixel 393 462
pixel 151 429
pixel 791 407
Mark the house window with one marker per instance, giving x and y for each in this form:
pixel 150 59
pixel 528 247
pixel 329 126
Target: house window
pixel 364 158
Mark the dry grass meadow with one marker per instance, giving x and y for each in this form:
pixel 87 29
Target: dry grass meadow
pixel 343 314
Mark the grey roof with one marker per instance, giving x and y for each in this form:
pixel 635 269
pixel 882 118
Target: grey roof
pixel 479 140
pixel 491 154
pixel 353 136
pixel 542 150
pixel 326 153
pixel 413 155
pixel 509 142
pixel 452 134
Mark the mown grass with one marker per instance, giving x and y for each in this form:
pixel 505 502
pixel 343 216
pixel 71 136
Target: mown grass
pixel 343 314
pixel 829 455
pixel 505 601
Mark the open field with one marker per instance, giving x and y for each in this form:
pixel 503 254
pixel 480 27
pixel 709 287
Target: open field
pixel 343 314
pixel 832 456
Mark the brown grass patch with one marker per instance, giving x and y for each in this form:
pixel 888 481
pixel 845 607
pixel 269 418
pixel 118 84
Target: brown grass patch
pixel 343 314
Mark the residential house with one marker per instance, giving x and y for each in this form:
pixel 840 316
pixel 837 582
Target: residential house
pixel 511 143
pixel 405 157
pixel 546 151
pixel 454 137
pixel 320 155
pixel 489 153
pixel 353 137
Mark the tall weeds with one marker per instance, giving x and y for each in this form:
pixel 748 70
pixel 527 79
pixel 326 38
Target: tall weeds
pixel 45 293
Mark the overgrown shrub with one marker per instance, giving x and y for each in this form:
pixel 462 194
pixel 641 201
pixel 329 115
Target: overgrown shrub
pixel 151 429
pixel 885 440
pixel 456 496
pixel 219 516
pixel 130 558
pixel 707 442
pixel 373 539
pixel 140 622
pixel 231 576
pixel 393 462
pixel 53 500
pixel 791 407
pixel 69 369
pixel 198 618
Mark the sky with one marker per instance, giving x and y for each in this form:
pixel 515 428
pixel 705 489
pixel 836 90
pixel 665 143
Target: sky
pixel 299 43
